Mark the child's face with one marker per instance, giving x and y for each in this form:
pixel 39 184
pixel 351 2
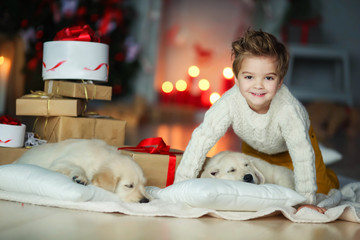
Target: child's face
pixel 258 82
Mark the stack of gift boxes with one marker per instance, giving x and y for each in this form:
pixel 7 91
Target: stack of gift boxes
pixel 60 109
pixel 75 54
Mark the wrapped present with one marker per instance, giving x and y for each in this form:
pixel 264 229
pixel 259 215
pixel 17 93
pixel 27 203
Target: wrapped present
pixel 76 53
pixel 55 129
pixel 42 104
pixel 9 155
pixel 83 90
pixel 12 132
pixel 157 160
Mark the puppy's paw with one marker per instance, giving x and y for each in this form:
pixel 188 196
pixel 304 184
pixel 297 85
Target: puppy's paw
pixel 80 180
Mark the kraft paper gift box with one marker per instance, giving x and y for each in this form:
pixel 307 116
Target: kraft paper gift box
pixel 55 129
pixel 9 155
pixel 34 105
pixel 78 90
pixel 158 164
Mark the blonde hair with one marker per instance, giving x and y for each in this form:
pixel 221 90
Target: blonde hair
pixel 259 43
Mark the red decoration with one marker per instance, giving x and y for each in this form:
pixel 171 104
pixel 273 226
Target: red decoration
pixel 166 97
pixel 116 90
pixel 304 25
pixel 56 66
pixel 205 98
pixel 110 16
pixel 5 119
pixel 157 146
pixel 32 64
pixel 203 54
pixel 226 84
pixel 77 33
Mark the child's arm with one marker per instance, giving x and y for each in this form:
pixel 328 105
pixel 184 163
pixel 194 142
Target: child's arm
pixel 295 130
pixel 216 121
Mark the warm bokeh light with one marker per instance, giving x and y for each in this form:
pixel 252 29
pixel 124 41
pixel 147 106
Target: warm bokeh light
pixel 2 59
pixel 194 71
pixel 181 85
pixel 204 84
pixel 228 73
pixel 167 87
pixel 214 97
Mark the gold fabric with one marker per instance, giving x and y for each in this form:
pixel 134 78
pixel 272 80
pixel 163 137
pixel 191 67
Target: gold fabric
pixel 326 179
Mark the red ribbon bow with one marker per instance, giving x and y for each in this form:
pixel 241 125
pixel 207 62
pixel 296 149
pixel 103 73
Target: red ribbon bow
pixel 9 120
pixel 77 33
pixel 157 146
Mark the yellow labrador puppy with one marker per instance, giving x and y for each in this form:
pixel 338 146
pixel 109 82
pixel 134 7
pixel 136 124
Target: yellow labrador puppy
pixel 92 161
pixel 241 167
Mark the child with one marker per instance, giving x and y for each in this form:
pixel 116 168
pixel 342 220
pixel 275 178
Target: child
pixel 271 122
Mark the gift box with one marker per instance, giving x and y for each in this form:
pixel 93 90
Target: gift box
pixel 156 159
pixel 45 105
pixel 9 155
pixel 55 129
pixel 76 53
pixel 12 132
pixel 78 90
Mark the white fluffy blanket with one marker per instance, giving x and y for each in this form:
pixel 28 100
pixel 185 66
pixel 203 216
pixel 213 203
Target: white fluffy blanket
pixel 342 204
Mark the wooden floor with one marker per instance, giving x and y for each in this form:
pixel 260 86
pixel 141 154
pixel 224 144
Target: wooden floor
pixel 35 223
pixel 24 221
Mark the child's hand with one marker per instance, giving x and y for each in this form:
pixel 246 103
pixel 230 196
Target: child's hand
pixel 316 208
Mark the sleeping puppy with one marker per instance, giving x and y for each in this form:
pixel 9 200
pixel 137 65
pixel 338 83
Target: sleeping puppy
pixel 241 167
pixel 92 161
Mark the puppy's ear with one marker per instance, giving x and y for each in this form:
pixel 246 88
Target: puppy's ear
pixel 258 174
pixel 106 180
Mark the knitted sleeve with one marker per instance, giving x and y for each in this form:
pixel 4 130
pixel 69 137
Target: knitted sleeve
pixel 216 122
pixel 295 130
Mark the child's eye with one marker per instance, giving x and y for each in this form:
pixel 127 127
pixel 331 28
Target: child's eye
pixel 248 77
pixel 269 78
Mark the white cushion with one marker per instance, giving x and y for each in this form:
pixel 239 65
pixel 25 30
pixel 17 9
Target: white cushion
pixel 227 195
pixel 31 179
pixel 329 155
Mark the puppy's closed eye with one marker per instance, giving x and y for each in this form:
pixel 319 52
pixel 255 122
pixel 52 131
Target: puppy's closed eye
pixel 214 172
pixel 231 170
pixel 129 185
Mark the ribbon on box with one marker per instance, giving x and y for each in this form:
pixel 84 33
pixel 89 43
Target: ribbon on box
pixel 5 119
pixel 157 146
pixel 42 94
pixel 77 33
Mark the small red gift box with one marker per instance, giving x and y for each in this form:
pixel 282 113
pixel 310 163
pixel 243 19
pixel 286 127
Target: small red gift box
pixel 157 160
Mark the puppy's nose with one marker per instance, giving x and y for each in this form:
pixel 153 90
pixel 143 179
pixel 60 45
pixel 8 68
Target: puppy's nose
pixel 248 178
pixel 144 200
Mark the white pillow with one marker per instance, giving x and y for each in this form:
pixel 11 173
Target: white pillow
pixel 31 179
pixel 227 195
pixel 329 155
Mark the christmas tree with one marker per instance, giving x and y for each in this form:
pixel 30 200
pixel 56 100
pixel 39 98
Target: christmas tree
pixel 38 21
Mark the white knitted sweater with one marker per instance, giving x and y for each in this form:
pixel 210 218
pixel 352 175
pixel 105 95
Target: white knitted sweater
pixel 284 127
